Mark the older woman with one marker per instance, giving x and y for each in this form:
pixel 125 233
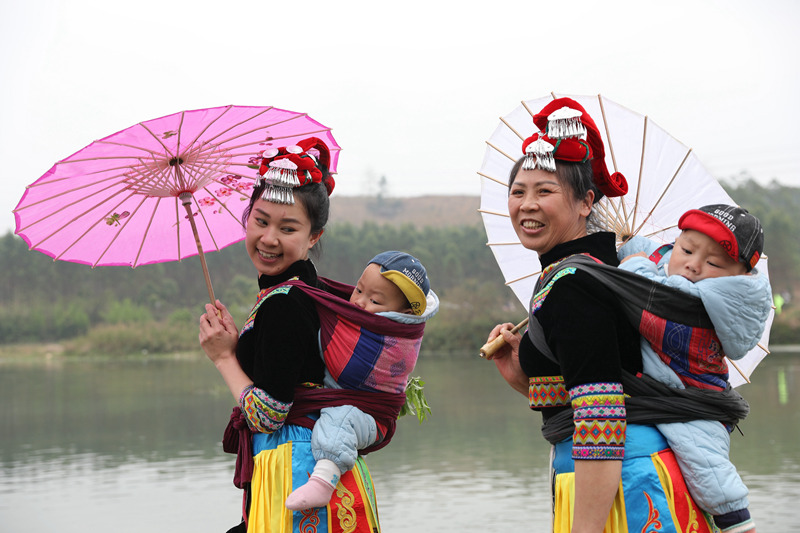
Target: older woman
pixel 609 475
pixel 272 364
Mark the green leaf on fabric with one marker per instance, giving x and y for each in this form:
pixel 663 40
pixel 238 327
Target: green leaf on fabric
pixel 415 400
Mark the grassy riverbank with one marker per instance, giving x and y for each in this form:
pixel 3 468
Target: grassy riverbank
pixel 151 339
pixel 458 329
pixel 57 353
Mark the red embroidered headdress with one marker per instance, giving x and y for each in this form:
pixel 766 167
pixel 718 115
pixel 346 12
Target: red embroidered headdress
pixel 568 133
pixel 283 169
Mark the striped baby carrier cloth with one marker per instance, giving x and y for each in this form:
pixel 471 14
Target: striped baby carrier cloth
pixel 362 351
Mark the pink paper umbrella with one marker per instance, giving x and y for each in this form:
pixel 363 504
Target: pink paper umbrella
pixel 161 190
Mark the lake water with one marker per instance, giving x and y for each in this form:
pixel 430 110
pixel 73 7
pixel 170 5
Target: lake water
pixel 134 446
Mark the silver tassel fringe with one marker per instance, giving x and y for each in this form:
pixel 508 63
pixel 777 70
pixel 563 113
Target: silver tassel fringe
pixel 565 123
pixel 282 177
pixel 278 195
pixel 539 154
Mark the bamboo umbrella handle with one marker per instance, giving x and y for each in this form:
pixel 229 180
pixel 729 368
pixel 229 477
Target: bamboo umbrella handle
pixel 488 350
pixel 186 199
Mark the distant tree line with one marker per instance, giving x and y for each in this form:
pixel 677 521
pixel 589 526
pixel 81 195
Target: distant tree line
pixel 128 309
pixel 777 207
pixel 155 307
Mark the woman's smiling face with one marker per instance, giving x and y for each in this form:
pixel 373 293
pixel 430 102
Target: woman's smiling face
pixel 544 212
pixel 278 235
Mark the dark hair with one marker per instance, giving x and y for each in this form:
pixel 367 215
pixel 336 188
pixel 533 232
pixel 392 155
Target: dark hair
pixel 313 198
pixel 578 177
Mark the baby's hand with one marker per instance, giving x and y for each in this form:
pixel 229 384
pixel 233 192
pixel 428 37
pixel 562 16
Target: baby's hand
pixel 639 254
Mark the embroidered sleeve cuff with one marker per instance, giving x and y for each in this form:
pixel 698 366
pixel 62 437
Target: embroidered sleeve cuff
pixel 264 413
pixel 599 414
pixel 547 391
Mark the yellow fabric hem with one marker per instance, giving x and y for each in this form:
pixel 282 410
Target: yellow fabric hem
pixel 564 509
pixel 268 514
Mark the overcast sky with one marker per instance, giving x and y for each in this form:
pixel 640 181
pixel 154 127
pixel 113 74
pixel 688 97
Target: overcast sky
pixel 411 89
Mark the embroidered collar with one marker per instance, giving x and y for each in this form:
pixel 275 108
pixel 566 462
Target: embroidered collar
pixel 601 245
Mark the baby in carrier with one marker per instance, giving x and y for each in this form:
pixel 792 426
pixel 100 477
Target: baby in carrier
pixel 714 259
pixel 394 285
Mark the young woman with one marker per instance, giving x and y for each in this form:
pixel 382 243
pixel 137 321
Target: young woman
pixel 275 358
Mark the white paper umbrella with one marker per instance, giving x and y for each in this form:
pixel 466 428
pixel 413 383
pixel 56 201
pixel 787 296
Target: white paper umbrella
pixel 665 179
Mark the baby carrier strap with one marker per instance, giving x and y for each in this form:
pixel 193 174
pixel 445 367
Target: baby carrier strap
pixel 384 407
pixel 636 293
pixel 675 323
pixel 648 401
pixel 334 297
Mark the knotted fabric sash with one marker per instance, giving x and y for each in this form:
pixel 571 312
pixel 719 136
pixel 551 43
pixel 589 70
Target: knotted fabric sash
pixel 650 401
pixel 384 407
pixel 237 439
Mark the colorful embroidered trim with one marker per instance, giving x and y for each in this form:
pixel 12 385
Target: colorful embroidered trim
pixel 264 413
pixel 262 296
pixel 549 268
pixel 599 415
pixel 539 297
pixel 548 391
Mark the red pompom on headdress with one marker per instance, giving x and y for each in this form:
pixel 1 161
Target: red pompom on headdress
pixel 563 124
pixel 288 167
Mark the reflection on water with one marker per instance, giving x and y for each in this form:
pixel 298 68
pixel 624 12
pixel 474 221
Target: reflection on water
pixel 135 446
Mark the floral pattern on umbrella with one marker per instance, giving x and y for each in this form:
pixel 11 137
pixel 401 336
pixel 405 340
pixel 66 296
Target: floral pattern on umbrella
pixel 160 190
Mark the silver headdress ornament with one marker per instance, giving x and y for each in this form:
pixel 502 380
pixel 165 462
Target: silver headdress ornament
pixel 278 195
pixel 282 173
pixel 565 123
pixel 539 154
pixel 281 177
